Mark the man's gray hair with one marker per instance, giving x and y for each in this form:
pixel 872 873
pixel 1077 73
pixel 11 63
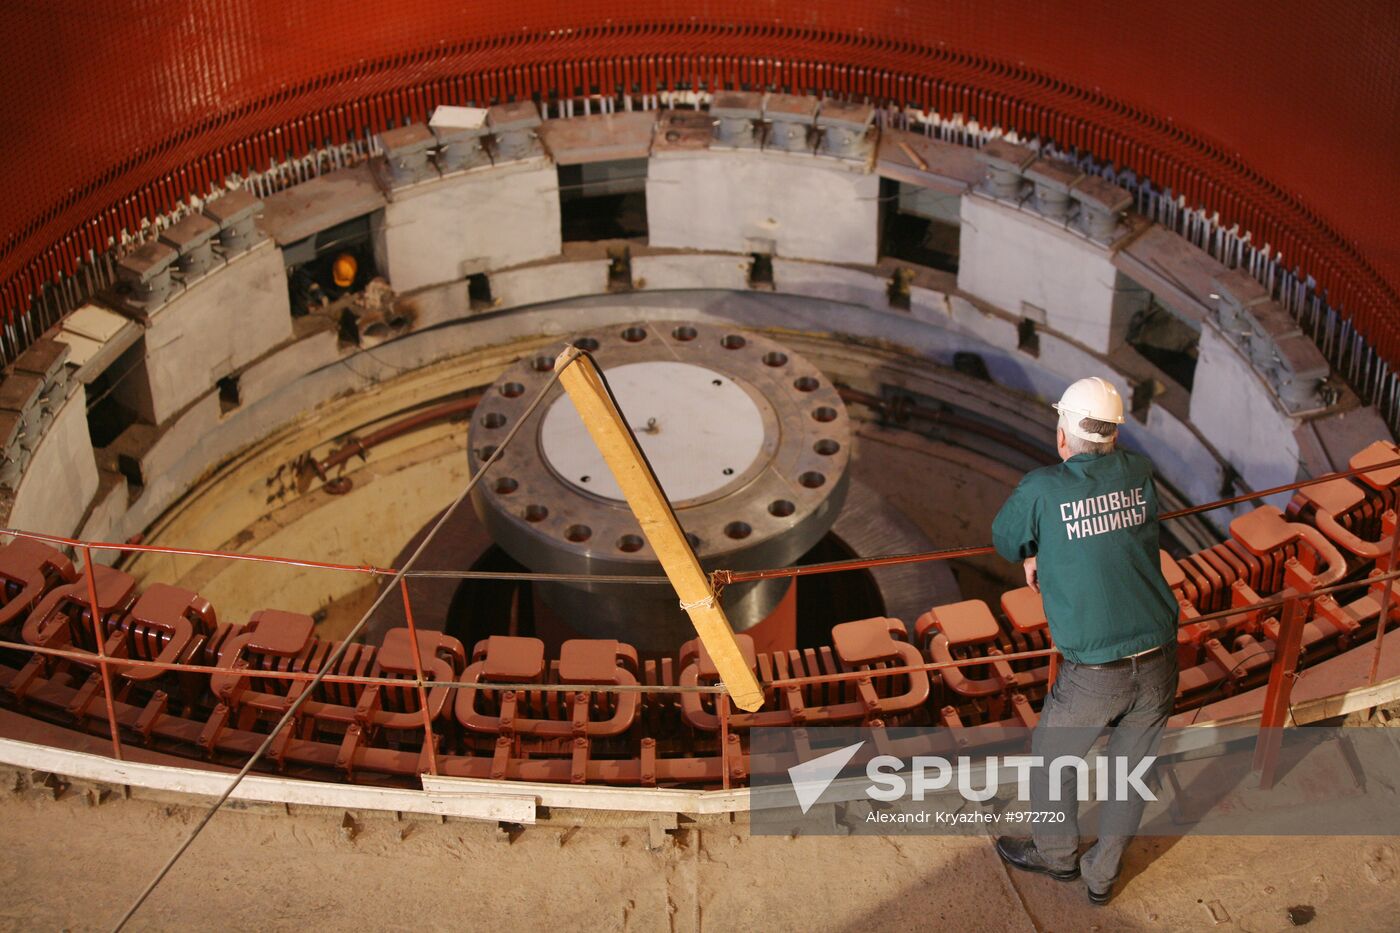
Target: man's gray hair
pixel 1078 445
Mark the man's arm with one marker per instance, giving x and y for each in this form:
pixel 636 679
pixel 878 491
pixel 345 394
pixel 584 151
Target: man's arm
pixel 1032 577
pixel 1014 530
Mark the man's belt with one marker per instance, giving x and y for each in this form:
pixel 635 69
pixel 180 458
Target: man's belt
pixel 1132 660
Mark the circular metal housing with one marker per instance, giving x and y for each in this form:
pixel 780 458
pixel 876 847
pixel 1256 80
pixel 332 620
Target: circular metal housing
pixel 749 441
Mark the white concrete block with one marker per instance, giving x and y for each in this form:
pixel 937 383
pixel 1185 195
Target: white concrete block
pixel 287 364
pixel 433 306
pixel 691 271
pixel 532 285
pixel 996 330
pixel 102 523
pixel 968 328
pixel 1067 361
pixel 185 437
pixel 224 321
pixel 1236 412
pixel 1181 459
pixel 61 479
pixel 931 306
pixel 832 283
pixel 726 199
pixel 486 218
pixel 1013 259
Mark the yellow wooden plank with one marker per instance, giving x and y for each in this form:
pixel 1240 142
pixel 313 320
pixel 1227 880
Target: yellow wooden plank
pixel 584 383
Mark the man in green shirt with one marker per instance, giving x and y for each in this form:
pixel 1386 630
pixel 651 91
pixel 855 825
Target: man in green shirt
pixel 1086 532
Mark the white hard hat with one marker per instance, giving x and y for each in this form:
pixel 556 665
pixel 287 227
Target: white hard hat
pixel 1090 398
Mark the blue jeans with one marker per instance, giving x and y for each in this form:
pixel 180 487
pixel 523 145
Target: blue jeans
pixel 1135 699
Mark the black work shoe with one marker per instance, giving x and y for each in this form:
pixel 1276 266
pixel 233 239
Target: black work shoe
pixel 1100 897
pixel 1020 852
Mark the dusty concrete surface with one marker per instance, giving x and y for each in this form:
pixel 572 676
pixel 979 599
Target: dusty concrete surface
pixel 69 865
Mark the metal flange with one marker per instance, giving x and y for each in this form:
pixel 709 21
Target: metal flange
pixel 750 442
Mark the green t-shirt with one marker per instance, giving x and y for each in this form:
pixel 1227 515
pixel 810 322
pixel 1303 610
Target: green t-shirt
pixel 1091 524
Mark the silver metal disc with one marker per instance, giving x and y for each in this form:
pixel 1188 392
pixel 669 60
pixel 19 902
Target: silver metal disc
pixel 697 427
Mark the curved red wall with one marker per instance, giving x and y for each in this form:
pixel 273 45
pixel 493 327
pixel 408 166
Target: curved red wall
pixel 1284 117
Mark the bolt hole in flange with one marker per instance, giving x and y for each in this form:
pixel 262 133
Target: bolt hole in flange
pixel 578 533
pixel 536 513
pixel 824 414
pixel 506 485
pixel 512 389
pixel 733 342
pixel 630 544
pixel 775 359
pixel 586 344
pixel 542 364
pixel 634 334
pixel 486 453
pixel 685 333
pixel 781 508
pixel 806 384
pixel 694 540
pixel 493 420
pixel 738 530
pixel 826 447
pixel 812 479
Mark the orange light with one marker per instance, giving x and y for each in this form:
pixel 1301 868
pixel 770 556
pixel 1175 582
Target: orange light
pixel 344 269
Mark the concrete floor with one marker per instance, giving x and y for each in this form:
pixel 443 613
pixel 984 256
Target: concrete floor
pixel 68 865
